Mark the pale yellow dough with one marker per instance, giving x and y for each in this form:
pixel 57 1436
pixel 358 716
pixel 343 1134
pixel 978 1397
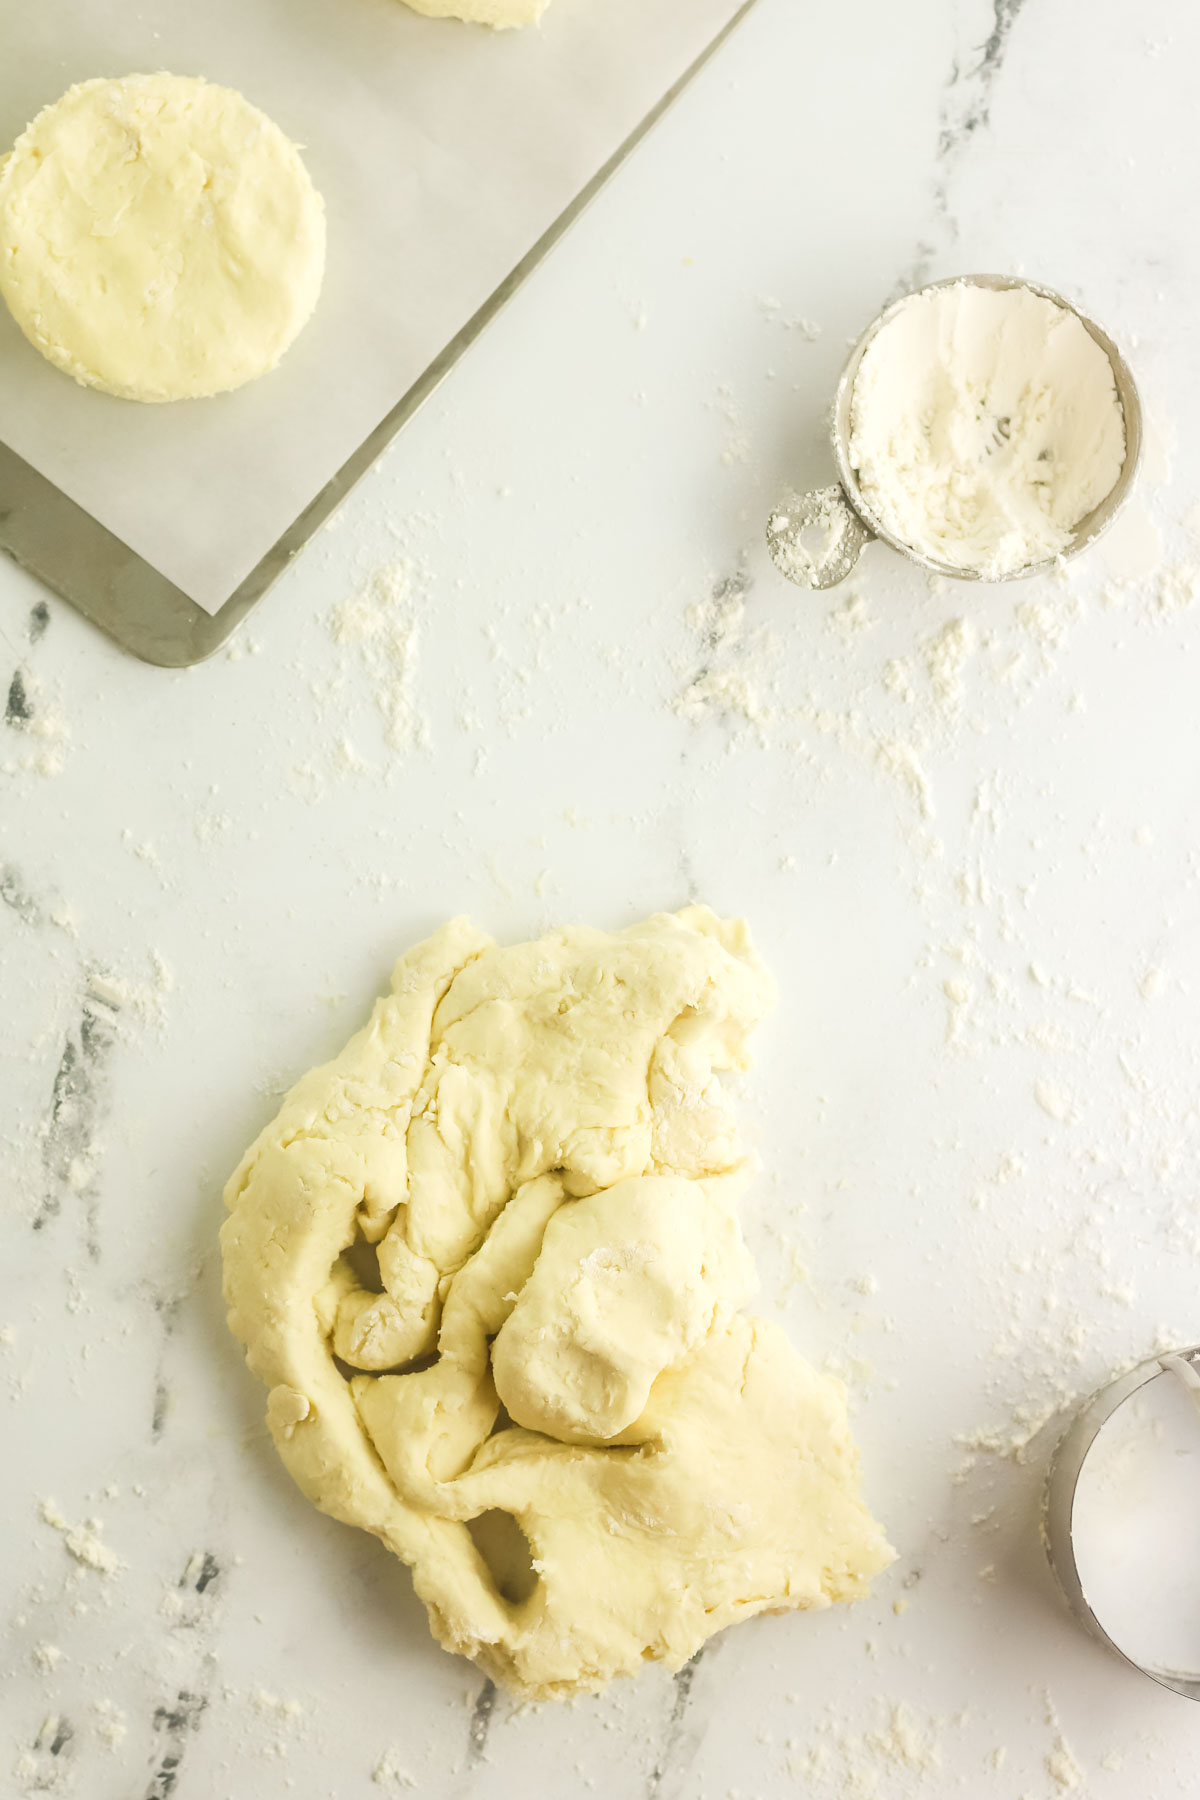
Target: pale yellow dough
pixel 536 1144
pixel 501 15
pixel 160 238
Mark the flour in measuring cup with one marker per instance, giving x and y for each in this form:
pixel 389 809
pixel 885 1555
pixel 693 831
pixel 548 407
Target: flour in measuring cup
pixel 985 424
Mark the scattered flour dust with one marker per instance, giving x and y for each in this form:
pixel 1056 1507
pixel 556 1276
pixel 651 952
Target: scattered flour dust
pixel 737 441
pixel 893 1758
pixel 122 995
pixel 978 668
pixel 735 681
pixel 388 1772
pixel 266 1703
pixel 1174 590
pixel 1064 1769
pixel 1053 1102
pixel 39 727
pixel 1012 1441
pixel 83 1542
pixel 900 758
pixel 1049 618
pixel 721 621
pixel 772 310
pixel 906 1741
pixel 947 655
pixel 727 684
pixel 851 619
pixel 379 623
pixel 110 1724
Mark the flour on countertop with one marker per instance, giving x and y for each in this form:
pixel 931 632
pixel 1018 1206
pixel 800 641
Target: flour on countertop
pixel 737 442
pixel 1063 1768
pixel 772 310
pixel 728 683
pixel 390 1772
pixel 851 619
pixel 123 997
pixel 947 654
pixel 83 1542
pixel 1053 1102
pixel 38 725
pixel 111 1726
pixel 903 1747
pixel 379 625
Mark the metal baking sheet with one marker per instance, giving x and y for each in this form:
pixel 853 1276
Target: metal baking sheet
pixel 450 158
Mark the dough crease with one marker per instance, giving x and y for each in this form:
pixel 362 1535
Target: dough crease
pixel 489 1266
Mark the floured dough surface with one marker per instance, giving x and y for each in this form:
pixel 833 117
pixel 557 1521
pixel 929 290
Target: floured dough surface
pixel 489 1266
pixel 501 15
pixel 160 237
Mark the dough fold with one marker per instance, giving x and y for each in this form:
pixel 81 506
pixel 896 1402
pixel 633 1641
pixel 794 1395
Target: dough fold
pixel 489 1266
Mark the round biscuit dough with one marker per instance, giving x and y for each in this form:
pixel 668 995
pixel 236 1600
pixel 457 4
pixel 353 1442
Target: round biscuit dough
pixel 501 15
pixel 160 238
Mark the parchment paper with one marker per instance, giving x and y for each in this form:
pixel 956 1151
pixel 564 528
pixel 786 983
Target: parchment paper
pixel 443 152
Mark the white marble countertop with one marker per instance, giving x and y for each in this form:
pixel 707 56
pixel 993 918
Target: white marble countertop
pixel 968 854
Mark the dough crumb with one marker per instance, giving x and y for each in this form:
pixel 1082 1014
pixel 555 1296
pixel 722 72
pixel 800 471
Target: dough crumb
pixel 83 1542
pixel 1063 1768
pixel 1052 1100
pixel 110 1724
pixel 390 1772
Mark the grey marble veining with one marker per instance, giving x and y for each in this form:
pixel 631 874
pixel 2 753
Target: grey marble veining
pixel 967 106
pixel 76 1103
pixel 681 1739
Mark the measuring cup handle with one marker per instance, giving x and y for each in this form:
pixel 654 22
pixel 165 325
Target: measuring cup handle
pixel 828 510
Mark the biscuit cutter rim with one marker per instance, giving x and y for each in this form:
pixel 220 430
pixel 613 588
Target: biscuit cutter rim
pixel 1062 1483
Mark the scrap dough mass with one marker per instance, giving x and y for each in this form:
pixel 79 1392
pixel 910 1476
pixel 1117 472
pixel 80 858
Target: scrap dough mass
pixel 160 238
pixel 533 1147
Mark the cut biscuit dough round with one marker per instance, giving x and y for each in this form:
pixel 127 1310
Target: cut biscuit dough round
pixel 501 15
pixel 160 238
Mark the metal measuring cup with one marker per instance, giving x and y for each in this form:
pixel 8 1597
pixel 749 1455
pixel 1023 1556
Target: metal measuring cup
pixel 1062 1483
pixel 847 517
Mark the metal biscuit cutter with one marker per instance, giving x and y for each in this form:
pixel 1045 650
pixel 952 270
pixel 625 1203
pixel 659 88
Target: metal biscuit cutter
pixel 1062 1485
